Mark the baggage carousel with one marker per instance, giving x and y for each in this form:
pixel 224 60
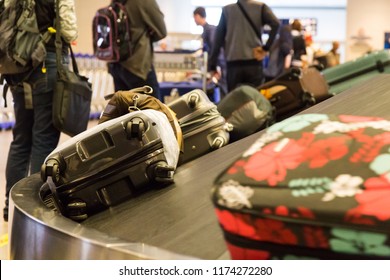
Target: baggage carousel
pixel 175 222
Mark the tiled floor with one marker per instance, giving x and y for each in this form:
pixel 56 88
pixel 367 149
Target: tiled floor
pixel 5 139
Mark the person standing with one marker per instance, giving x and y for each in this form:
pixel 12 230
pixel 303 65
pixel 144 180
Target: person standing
pixel 147 26
pixel 208 40
pixel 299 44
pixel 333 56
pixel 240 39
pixel 34 135
pixel 280 54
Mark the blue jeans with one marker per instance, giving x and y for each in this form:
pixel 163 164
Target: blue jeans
pixel 125 80
pixel 34 135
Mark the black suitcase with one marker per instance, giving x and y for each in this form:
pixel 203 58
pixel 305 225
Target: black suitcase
pixel 110 163
pixel 295 90
pixel 203 127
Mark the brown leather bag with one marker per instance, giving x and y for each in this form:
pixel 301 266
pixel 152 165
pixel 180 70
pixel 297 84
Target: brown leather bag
pixel 123 102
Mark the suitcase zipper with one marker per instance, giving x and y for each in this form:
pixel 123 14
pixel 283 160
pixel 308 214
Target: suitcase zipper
pixel 282 250
pixel 198 112
pixel 215 121
pixel 254 213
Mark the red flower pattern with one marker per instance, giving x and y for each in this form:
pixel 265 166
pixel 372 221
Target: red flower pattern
pixel 271 164
pixel 315 237
pixel 373 201
pixel 299 212
pixel 353 119
pixel 256 228
pixel 370 145
pixel 238 253
pixel 320 152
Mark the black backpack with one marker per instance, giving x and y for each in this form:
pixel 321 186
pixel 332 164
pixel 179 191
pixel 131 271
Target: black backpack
pixel 22 46
pixel 111 33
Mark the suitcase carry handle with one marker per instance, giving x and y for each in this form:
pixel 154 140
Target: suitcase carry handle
pixel 193 99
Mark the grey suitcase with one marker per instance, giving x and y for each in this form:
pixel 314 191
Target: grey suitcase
pixel 110 163
pixel 203 127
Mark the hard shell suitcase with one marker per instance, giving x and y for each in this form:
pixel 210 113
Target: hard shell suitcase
pixel 312 186
pixel 203 127
pixel 125 101
pixel 351 73
pixel 295 90
pixel 246 110
pixel 110 163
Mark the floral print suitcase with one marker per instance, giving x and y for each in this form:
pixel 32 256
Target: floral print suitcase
pixel 313 186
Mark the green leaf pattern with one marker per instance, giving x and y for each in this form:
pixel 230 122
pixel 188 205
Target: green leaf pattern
pixel 297 123
pixel 380 164
pixel 359 242
pixel 307 186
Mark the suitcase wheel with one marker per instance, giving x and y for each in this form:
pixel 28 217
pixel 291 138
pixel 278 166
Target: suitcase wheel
pixel 218 143
pixel 135 128
pixel 309 99
pixel 76 210
pixel 193 99
pixel 161 172
pixel 51 168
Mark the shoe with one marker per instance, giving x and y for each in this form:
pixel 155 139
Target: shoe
pixel 5 214
pixel 5 210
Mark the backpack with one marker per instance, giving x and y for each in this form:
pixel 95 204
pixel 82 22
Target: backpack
pixel 246 110
pixel 111 33
pixel 22 46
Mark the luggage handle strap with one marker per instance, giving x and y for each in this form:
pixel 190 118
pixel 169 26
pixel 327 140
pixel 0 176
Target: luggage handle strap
pixel 144 89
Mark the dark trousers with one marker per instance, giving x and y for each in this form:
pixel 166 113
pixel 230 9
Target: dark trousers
pixel 244 73
pixel 125 80
pixel 34 135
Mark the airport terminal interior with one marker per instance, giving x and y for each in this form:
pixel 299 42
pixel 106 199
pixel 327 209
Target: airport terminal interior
pixel 181 230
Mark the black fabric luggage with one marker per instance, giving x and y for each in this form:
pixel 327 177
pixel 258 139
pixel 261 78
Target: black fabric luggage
pixel 203 127
pixel 351 73
pixel 314 186
pixel 110 163
pixel 246 110
pixel 295 90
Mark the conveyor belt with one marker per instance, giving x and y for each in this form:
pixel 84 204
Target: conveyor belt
pixel 170 223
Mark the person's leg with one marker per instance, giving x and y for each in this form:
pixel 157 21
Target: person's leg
pixel 125 80
pixel 19 152
pixel 45 135
pixel 233 77
pixel 253 75
pixel 116 71
pixel 152 81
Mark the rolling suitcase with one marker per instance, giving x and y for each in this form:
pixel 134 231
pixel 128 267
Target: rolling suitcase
pixel 312 186
pixel 295 90
pixel 203 127
pixel 246 110
pixel 110 163
pixel 123 102
pixel 351 73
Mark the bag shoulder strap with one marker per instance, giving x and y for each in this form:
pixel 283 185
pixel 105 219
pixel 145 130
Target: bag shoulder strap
pixel 249 20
